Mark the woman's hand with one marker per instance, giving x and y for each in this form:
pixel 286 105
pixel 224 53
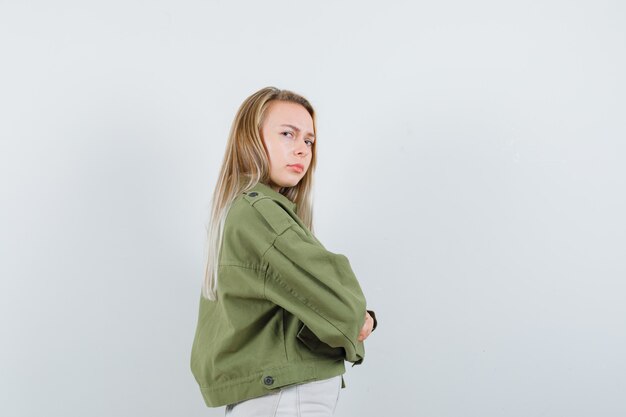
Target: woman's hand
pixel 366 330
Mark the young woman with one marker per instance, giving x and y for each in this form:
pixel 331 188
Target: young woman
pixel 279 314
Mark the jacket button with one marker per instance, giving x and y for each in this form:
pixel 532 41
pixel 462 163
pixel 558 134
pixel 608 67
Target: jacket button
pixel 253 194
pixel 268 380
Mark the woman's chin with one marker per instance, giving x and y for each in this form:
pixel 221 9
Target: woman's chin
pixel 291 182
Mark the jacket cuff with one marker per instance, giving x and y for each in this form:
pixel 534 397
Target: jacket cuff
pixel 360 353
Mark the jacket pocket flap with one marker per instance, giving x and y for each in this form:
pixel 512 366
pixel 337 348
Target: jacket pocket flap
pixel 306 336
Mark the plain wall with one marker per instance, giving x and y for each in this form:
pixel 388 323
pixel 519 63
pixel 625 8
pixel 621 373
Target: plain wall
pixel 470 167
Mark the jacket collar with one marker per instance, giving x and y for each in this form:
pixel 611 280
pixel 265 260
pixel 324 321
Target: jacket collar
pixel 275 195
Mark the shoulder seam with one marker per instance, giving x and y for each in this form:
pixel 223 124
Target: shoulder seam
pixel 279 220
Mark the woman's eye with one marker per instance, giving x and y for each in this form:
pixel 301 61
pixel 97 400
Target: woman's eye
pixel 289 133
pixel 310 142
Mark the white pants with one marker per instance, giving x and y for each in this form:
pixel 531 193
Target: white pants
pixel 310 399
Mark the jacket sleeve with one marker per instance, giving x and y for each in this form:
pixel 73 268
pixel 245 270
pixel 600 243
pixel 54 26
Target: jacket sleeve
pixel 320 288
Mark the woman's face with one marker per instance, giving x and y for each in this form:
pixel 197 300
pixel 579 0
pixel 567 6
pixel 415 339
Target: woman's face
pixel 288 136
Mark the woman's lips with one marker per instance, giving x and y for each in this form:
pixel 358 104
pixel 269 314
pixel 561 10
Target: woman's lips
pixel 296 167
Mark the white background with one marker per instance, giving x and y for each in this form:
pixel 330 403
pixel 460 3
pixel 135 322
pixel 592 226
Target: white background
pixel 470 167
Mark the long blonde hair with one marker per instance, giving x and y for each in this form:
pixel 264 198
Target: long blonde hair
pixel 245 163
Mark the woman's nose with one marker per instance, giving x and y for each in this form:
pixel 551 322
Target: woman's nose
pixel 302 148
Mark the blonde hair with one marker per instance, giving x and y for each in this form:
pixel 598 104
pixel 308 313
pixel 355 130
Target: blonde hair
pixel 245 163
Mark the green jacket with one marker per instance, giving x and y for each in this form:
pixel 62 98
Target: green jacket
pixel 287 311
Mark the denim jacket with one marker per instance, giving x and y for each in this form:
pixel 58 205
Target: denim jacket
pixel 287 311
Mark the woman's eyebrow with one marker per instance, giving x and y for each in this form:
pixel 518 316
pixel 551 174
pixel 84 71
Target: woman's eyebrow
pixel 297 129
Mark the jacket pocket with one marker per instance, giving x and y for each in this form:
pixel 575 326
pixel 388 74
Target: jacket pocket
pixel 311 341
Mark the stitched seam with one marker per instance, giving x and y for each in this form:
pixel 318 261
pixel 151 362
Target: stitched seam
pixel 254 268
pixel 232 383
pixel 284 332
